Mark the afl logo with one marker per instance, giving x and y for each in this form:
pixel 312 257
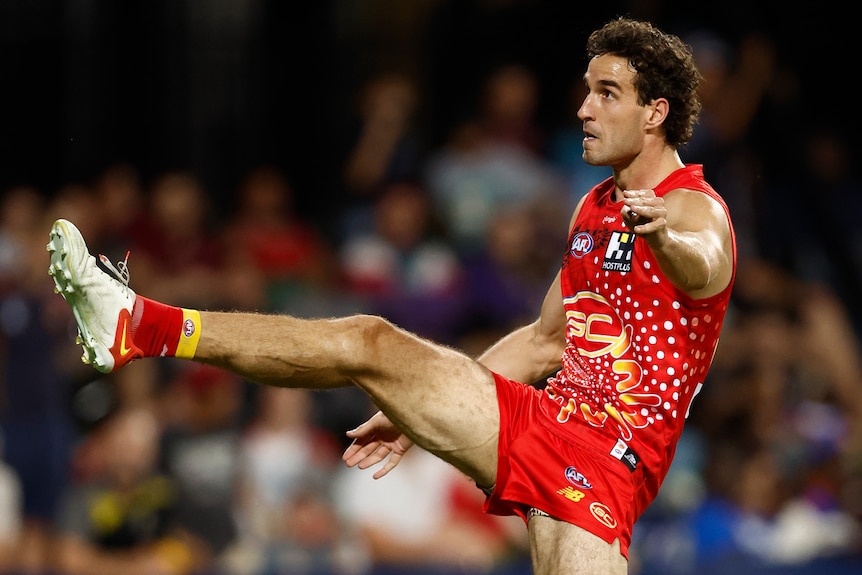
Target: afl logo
pixel 188 328
pixel 582 244
pixel 602 514
pixel 577 478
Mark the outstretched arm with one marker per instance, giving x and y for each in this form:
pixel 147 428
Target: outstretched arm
pixel 688 233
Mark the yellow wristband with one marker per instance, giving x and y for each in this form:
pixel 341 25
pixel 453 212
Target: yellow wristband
pixel 190 334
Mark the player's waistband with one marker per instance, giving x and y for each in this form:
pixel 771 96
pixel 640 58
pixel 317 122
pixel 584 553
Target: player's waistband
pixel 598 439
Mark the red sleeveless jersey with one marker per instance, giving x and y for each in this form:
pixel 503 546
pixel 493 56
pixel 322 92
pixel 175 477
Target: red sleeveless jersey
pixel 638 349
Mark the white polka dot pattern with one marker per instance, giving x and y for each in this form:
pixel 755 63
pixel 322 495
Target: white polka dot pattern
pixel 638 349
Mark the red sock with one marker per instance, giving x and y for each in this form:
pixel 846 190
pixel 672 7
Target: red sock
pixel 158 329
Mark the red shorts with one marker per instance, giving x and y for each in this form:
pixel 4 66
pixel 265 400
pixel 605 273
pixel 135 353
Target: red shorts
pixel 573 482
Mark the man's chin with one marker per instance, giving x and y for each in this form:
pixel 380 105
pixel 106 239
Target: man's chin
pixel 591 159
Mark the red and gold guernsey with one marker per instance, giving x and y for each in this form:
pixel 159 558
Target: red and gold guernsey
pixel 638 349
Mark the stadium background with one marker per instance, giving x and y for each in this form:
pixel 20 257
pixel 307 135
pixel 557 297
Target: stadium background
pixel 221 86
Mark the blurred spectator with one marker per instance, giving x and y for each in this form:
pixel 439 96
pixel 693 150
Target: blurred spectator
pixel 758 514
pixel 736 80
pixel 829 249
pixel 117 515
pixel 11 515
pixel 21 218
pixel 202 409
pixel 122 200
pixel 78 200
pixel 387 146
pixel 509 106
pixel 489 162
pixel 506 281
pixel 267 236
pixel 426 519
pixel 177 253
pixel 404 269
pixel 287 521
pixel 38 369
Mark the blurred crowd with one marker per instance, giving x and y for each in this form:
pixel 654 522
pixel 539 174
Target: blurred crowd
pixel 167 467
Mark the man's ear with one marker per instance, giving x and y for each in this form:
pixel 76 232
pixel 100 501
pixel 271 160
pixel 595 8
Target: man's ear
pixel 657 111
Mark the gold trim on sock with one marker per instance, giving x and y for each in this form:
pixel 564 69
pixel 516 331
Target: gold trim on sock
pixel 190 334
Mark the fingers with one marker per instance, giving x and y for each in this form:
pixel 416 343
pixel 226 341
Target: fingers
pixel 388 466
pixel 374 457
pixel 361 429
pixel 365 456
pixel 641 208
pixel 374 441
pixel 359 451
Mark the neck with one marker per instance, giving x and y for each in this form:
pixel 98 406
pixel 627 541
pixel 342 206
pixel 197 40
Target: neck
pixel 646 171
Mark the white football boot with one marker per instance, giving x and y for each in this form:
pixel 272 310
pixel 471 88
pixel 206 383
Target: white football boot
pixel 102 305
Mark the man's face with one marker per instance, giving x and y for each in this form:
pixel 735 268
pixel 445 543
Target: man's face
pixel 613 121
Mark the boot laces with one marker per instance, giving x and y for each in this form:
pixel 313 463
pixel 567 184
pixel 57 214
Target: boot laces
pixel 120 271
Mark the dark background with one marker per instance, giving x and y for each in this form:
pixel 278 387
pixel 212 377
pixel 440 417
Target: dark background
pixel 221 85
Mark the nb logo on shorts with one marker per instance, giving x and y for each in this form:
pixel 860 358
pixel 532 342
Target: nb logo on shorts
pixel 571 493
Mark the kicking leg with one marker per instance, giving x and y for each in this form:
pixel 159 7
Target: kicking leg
pixel 443 400
pixel 440 398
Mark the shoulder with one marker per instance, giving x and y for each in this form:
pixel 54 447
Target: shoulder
pixel 696 206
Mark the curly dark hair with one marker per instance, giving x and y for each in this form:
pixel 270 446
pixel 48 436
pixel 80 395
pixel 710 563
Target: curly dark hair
pixel 665 69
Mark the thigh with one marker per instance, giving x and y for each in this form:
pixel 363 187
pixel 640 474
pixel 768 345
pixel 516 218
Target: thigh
pixel 441 398
pixel 560 547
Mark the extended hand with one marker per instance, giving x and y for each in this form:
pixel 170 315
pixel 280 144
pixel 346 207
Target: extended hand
pixel 373 441
pixel 643 212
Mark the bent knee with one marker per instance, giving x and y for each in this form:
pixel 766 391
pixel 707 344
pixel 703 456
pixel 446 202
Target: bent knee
pixel 368 339
pixel 366 329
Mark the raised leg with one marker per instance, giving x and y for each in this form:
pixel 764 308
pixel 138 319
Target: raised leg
pixel 439 397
